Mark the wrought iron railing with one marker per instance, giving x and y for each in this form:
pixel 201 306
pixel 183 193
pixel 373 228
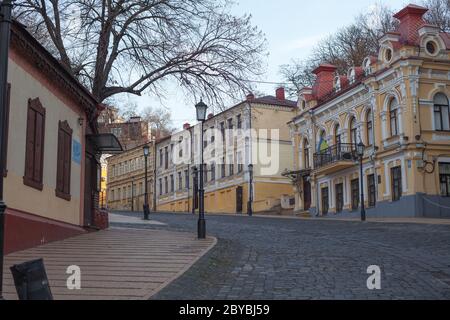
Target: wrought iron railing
pixel 333 154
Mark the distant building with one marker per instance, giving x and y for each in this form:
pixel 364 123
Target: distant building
pixel 227 180
pixel 131 133
pixel 126 179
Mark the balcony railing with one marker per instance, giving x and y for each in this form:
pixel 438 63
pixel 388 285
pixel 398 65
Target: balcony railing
pixel 333 154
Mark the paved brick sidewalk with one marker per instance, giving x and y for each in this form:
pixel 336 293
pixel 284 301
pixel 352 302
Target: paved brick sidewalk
pixel 115 264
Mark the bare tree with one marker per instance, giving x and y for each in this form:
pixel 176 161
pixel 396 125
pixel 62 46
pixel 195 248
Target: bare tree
pixel 438 13
pixel 120 46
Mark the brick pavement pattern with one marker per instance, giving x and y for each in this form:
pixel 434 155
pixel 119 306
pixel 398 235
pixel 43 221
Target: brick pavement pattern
pixel 268 258
pixel 115 264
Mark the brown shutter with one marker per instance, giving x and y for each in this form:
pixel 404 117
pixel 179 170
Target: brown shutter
pixel 5 133
pixel 67 162
pixel 60 161
pixel 29 155
pixel 34 157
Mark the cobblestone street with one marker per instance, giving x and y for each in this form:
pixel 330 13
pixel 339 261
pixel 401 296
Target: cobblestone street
pixel 270 258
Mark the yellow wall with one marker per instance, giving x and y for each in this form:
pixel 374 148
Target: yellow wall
pixel 18 196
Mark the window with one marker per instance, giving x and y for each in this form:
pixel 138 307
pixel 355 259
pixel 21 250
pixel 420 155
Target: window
pixel 34 153
pixel 205 173
pixel 306 154
pixel 222 168
pixel 230 131
pixel 213 171
pixel 222 130
pixel 396 176
pixel 186 179
pixel 166 158
pixel 239 122
pixel 431 47
pixel 112 195
pixel 369 128
pixel 119 193
pixel 124 193
pixel 444 178
pixel 355 193
pixel 393 117
pixel 441 113
pixel 5 132
pixel 141 188
pixel 372 190
pixel 213 138
pixel 180 181
pixel 337 135
pixel 64 161
pixel 388 55
pixel 166 185
pixel 160 157
pixel 353 131
pixel 231 167
pixel 160 187
pixel 172 183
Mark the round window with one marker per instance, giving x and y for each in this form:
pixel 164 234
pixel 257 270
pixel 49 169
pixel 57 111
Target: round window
pixel 388 55
pixel 431 47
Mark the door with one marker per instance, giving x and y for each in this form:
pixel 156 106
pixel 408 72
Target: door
pixel 239 199
pixel 325 201
pixel 306 195
pixel 339 197
pixel 89 189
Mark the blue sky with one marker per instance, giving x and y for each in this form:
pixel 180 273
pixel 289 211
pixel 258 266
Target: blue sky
pixel 292 28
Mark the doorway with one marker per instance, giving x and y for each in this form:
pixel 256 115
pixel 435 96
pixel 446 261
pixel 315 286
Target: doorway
pixel 325 201
pixel 339 197
pixel 306 195
pixel 239 199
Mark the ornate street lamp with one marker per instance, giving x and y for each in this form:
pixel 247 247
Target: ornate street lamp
pixel 201 108
pixel 360 148
pixel 5 32
pixel 250 197
pixel 146 206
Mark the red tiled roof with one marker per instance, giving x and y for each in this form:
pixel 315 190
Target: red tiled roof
pixel 274 101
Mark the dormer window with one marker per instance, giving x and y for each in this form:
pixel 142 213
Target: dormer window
pixel 367 66
pixel 387 55
pixel 337 84
pixel 352 75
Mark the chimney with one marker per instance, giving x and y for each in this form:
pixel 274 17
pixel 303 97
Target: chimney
pixel 186 126
pixel 279 93
pixel 250 97
pixel 410 22
pixel 324 84
pixel 211 115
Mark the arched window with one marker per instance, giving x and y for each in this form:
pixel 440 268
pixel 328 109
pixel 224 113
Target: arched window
pixel 306 154
pixel 441 113
pixel 323 143
pixel 369 128
pixel 337 134
pixel 353 131
pixel 393 117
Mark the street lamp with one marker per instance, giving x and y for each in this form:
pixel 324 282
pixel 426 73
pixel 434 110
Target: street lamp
pixel 5 32
pixel 360 152
pixel 201 108
pixel 250 197
pixel 146 207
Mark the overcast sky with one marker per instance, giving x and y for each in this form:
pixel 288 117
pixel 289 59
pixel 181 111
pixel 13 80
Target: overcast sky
pixel 292 28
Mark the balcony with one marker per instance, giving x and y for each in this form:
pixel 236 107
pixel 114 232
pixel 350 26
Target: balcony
pixel 338 157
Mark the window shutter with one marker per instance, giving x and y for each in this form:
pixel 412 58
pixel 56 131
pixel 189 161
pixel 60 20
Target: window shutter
pixel 39 148
pixel 67 162
pixel 64 160
pixel 29 157
pixel 60 161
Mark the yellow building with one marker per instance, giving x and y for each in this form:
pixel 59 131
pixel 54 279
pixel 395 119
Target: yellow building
pixel 252 132
pixel 397 104
pixel 126 179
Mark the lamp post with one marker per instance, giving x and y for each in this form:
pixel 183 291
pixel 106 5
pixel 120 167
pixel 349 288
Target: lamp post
pixel 146 207
pixel 250 197
pixel 5 32
pixel 201 108
pixel 360 151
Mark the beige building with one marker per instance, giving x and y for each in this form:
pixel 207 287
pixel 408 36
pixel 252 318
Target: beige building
pixel 233 139
pixel 52 172
pixel 126 179
pixel 397 105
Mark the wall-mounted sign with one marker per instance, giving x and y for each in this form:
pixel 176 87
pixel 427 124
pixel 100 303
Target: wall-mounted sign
pixel 76 152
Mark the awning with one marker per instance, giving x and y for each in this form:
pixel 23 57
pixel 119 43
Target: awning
pixel 106 143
